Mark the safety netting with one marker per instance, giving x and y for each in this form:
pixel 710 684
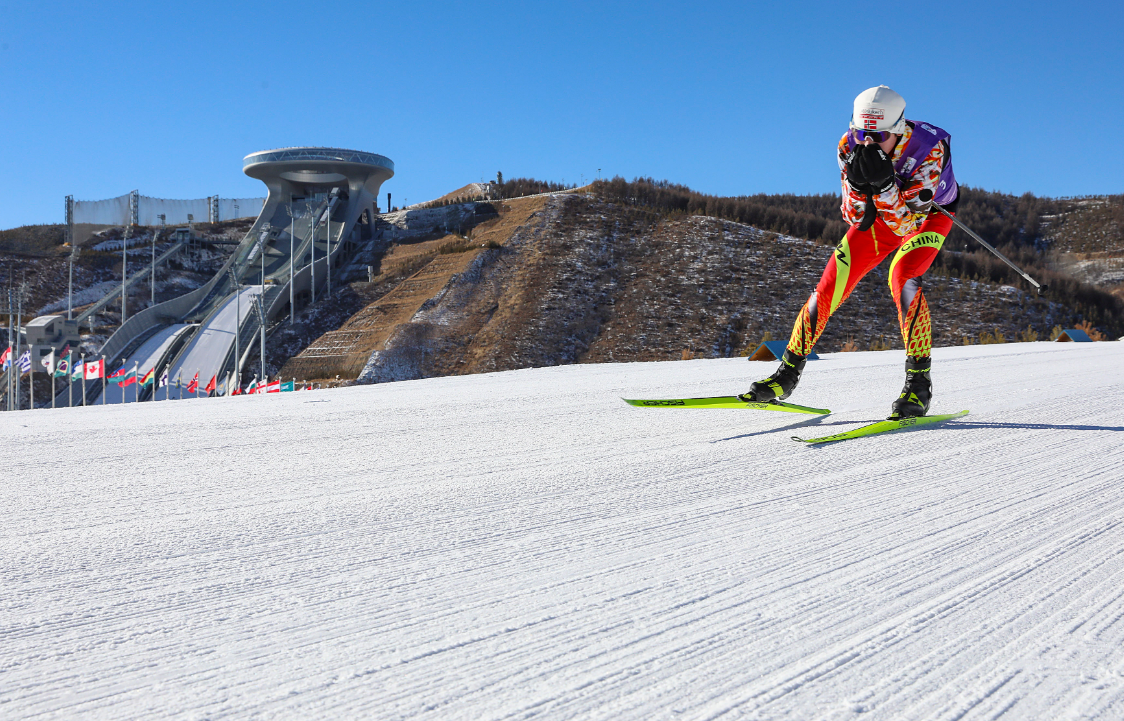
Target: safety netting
pixel 91 217
pixel 232 208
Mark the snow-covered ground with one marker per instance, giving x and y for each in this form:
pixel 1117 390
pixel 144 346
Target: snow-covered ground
pixel 524 544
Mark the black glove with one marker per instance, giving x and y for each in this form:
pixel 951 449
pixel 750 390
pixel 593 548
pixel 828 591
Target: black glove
pixel 870 170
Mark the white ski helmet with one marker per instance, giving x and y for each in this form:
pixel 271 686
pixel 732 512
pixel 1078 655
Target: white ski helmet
pixel 879 109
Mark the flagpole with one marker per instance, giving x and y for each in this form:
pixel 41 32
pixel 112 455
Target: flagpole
pixel 11 358
pixel 31 376
pixel 103 380
pixel 19 322
pixel 136 386
pixel 83 380
pixel 69 382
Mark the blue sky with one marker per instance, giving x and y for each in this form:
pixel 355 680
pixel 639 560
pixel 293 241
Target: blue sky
pixel 97 99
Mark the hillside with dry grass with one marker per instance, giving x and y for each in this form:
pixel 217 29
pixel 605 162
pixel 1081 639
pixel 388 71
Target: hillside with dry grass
pixel 574 278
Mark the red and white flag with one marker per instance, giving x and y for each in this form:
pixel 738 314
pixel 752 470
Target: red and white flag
pixel 94 369
pixel 193 386
pixel 274 387
pixel 211 386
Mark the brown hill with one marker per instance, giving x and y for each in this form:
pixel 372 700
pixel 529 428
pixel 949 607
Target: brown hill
pixel 576 278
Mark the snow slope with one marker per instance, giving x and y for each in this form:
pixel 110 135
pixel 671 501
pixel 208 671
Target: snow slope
pixel 524 544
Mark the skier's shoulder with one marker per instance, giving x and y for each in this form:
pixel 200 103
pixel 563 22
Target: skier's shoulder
pixel 926 130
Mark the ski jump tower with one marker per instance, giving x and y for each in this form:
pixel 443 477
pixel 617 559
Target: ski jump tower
pixel 322 204
pixel 320 210
pixel 306 175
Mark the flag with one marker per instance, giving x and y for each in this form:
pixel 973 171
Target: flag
pixel 119 373
pixel 274 387
pixel 193 386
pixel 24 363
pixel 126 379
pixel 148 377
pixel 6 358
pixel 287 387
pixel 221 390
pixel 63 368
pixel 176 383
pixel 253 387
pixel 48 361
pixel 211 387
pixel 164 378
pixel 95 370
pixel 79 371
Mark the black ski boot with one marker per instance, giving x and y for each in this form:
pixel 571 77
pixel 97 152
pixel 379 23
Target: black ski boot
pixel 779 385
pixel 918 390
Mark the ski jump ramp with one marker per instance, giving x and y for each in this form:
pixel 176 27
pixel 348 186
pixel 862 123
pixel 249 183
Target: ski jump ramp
pixel 320 209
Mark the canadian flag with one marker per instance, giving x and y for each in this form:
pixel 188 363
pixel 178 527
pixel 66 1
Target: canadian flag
pixel 94 369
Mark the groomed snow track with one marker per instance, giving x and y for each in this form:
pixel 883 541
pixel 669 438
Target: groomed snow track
pixel 525 545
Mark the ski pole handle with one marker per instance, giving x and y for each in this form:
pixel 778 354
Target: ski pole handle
pixel 1041 288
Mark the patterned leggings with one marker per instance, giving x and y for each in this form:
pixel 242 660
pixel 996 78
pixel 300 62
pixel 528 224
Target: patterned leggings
pixel 858 254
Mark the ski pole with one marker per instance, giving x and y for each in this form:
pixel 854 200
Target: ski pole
pixel 1041 288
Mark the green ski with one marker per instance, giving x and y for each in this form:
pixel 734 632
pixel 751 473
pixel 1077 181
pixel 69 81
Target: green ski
pixel 882 427
pixel 723 402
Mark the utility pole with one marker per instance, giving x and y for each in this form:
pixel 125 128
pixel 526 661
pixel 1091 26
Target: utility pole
pixel 124 269
pixel 237 325
pixel 260 308
pixel 73 252
pixel 292 252
pixel 70 283
pixel 156 233
pixel 312 265
pixel 11 357
pixel 261 305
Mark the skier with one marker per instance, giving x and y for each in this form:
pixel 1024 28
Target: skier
pixel 893 171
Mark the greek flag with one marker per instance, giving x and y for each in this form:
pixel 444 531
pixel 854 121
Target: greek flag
pixel 24 363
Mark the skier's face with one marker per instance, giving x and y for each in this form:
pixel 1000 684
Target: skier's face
pixel 887 145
